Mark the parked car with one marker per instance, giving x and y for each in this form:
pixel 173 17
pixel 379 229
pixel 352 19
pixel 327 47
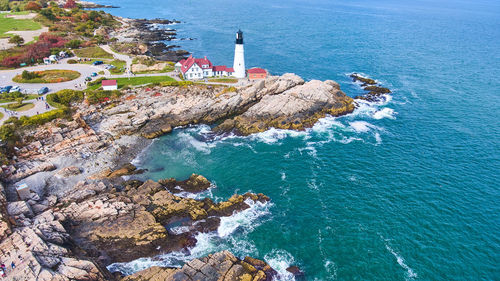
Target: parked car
pixel 88 78
pixel 15 89
pixel 98 62
pixel 43 91
pixel 93 74
pixel 110 66
pixel 6 89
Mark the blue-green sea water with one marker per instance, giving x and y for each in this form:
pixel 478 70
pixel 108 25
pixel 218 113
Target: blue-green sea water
pixel 404 190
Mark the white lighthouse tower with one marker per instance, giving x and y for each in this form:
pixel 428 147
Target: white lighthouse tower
pixel 239 56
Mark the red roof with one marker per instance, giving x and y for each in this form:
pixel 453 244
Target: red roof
pixel 257 70
pixel 223 68
pixel 109 82
pixel 203 63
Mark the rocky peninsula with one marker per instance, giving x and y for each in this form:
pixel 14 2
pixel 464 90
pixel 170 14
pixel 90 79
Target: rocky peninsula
pixel 82 214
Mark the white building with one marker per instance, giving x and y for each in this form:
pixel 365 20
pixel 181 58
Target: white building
pixel 196 69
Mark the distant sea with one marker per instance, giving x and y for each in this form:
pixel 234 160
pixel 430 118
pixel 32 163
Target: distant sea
pixel 402 190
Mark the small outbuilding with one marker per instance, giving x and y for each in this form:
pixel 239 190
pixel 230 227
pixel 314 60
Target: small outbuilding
pixel 256 73
pixel 109 85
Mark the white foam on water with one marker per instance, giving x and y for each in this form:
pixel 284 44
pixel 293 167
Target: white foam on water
pixel 280 260
pixel 207 243
pixel 201 146
pixel 378 139
pixel 244 219
pixel 206 193
pixel 331 268
pixel 179 229
pixel 410 274
pixel 326 124
pixel 283 176
pixel 361 126
pixel 273 135
pixel 384 113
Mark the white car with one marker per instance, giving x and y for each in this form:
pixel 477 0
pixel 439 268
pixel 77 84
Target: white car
pixel 15 89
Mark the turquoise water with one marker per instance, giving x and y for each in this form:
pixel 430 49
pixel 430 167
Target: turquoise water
pixel 406 190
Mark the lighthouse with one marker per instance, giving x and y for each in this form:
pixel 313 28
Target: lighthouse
pixel 239 56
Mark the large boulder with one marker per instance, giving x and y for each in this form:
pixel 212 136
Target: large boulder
pixel 296 108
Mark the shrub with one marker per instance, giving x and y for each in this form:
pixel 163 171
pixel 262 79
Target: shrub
pixel 32 6
pixel 16 39
pixel 29 75
pixel 71 61
pixel 13 61
pixel 4 5
pixel 98 96
pixel 43 118
pixel 74 44
pixel 64 98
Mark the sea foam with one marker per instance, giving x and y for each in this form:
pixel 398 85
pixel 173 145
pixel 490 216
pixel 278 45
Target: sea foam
pixel 225 238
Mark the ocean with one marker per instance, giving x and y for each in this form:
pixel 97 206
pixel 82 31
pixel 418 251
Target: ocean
pixel 407 189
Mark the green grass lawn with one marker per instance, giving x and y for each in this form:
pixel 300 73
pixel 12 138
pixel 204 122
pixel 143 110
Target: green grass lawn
pixel 10 24
pixel 119 66
pixel 1 115
pixel 17 107
pixel 136 81
pixel 50 76
pixel 92 52
pixel 27 97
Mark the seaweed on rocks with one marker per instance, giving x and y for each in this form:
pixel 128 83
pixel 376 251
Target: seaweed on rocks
pixel 375 91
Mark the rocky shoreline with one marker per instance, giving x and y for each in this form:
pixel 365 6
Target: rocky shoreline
pixel 85 215
pixel 82 214
pixel 148 37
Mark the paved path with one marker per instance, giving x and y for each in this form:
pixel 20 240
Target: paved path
pixel 84 69
pixel 40 107
pixel 122 57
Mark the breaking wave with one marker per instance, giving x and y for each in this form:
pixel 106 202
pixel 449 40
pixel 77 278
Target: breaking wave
pixel 280 260
pixel 230 235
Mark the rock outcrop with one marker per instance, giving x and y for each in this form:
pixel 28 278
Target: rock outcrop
pixel 375 92
pixel 138 221
pixel 279 101
pixel 40 251
pixel 222 266
pixel 297 108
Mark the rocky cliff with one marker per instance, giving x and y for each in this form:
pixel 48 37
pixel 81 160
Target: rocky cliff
pixel 83 215
pixel 279 101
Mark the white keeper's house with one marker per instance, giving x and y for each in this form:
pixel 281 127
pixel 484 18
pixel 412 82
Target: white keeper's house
pixel 195 69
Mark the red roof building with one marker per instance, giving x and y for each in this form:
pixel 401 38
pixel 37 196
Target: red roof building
pixel 193 68
pixel 109 85
pixel 256 73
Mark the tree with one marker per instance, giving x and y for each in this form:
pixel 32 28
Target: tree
pixel 32 6
pixel 70 4
pixel 16 39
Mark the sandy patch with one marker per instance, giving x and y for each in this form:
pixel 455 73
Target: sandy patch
pixel 28 36
pixel 22 17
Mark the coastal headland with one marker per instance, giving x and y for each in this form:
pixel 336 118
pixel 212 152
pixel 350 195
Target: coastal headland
pixel 68 209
